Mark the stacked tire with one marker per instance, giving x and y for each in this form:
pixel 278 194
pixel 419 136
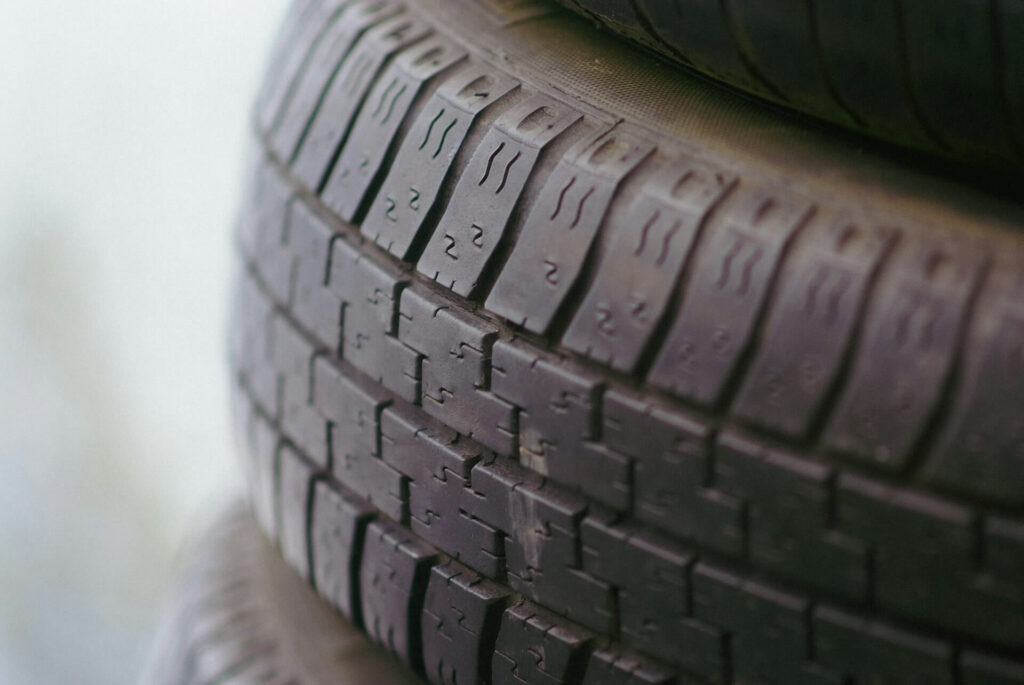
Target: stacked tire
pixel 555 363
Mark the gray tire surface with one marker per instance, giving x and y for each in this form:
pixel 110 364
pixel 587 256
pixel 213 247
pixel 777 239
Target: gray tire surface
pixel 553 364
pixel 241 616
pixel 945 75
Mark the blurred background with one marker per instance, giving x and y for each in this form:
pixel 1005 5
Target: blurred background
pixel 123 125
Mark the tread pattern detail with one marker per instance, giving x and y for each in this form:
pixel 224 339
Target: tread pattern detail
pixel 613 330
pixel 549 253
pixel 376 126
pixel 464 240
pixel 414 180
pixel 464 479
pixel 732 279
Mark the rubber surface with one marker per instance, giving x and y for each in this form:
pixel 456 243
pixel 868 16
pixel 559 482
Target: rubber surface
pixel 641 377
pixel 946 75
pixel 241 616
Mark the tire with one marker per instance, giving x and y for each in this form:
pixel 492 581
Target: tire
pixel 241 616
pixel 946 76
pixel 707 397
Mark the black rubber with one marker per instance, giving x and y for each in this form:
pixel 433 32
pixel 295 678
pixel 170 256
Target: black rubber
pixel 944 75
pixel 541 349
pixel 240 616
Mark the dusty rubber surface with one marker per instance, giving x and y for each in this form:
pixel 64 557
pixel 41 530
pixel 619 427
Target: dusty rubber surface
pixel 945 75
pixel 241 616
pixel 634 374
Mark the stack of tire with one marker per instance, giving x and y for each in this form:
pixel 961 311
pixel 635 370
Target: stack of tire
pixel 563 359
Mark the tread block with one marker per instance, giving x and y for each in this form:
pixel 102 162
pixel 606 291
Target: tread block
pixel 789 501
pixel 396 218
pixel 557 405
pixel 549 254
pixel 337 531
pixel 891 517
pixel 614 667
pixel 261 471
pixel 492 485
pixel 543 558
pixel 354 412
pixel 291 55
pixel 294 492
pixel 375 128
pixel 262 217
pixel 439 469
pixel 324 65
pixel 768 628
pixel 809 330
pixel 924 548
pixel 909 342
pixel 651 578
pixel 292 358
pixel 875 652
pixel 312 302
pixel 643 262
pixel 488 190
pixel 461 616
pixel 556 423
pixel 243 319
pixel 541 544
pixel 252 342
pixel 298 15
pixel 455 370
pixel 601 473
pixel 424 450
pixel 370 295
pixel 671 454
pixel 981 451
pixel 262 229
pixel 300 421
pixel 354 417
pixel 393 579
pixel 341 102
pixel 732 277
pixel 243 417
pixel 536 647
pixel 274 263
